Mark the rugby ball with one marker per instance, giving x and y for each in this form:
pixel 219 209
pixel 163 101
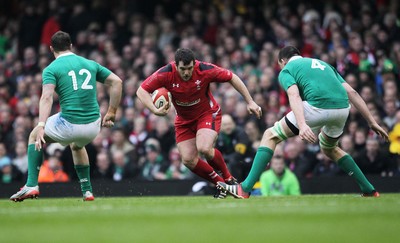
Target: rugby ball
pixel 160 97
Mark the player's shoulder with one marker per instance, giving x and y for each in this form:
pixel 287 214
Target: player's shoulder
pixel 297 63
pixel 48 67
pixel 205 66
pixel 53 65
pixel 81 59
pixel 84 59
pixel 300 60
pixel 169 68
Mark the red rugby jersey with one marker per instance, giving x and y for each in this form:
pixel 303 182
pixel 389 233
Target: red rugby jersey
pixel 193 97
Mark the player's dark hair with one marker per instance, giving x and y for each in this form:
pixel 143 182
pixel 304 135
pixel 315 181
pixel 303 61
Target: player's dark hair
pixel 185 55
pixel 287 52
pixel 61 41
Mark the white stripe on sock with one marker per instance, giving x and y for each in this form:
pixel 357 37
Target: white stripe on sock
pixel 213 174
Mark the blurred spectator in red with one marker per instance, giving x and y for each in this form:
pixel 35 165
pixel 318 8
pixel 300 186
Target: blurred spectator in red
pixel 50 27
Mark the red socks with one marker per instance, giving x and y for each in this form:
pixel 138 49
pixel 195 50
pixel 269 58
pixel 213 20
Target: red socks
pixel 204 170
pixel 218 163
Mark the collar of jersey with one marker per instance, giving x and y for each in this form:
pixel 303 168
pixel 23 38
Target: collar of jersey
pixel 66 54
pixel 294 58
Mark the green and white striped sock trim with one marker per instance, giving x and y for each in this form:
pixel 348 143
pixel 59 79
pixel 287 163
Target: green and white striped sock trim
pixel 325 144
pixel 277 130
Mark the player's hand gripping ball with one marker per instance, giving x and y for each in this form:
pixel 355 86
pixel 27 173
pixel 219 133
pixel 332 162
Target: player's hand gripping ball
pixel 160 97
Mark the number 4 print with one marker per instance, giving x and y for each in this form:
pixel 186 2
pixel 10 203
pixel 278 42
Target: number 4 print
pixel 316 64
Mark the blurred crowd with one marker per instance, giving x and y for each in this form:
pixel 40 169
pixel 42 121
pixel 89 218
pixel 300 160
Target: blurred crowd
pixel 360 38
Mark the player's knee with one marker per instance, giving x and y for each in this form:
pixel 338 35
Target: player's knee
pixel 189 163
pixel 205 150
pixel 276 133
pixel 270 135
pixel 328 147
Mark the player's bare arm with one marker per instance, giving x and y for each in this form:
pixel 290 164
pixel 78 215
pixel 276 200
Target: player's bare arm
pixel 252 107
pixel 115 84
pixel 360 105
pixel 296 104
pixel 147 101
pixel 45 104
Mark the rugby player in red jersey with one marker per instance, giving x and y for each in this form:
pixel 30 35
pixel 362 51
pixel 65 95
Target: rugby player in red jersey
pixel 198 115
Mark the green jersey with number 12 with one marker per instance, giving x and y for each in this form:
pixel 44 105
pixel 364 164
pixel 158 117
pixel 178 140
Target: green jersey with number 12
pixel 318 82
pixel 75 80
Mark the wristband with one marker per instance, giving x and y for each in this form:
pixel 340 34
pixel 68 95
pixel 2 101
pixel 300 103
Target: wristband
pixel 41 124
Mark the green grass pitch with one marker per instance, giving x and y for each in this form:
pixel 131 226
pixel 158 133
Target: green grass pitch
pixel 309 218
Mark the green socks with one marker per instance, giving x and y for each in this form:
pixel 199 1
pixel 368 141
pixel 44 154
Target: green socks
pixel 35 160
pixel 347 164
pixel 83 172
pixel 261 160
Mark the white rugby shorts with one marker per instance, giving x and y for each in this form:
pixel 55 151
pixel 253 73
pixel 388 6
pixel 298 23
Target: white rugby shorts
pixel 65 133
pixel 332 121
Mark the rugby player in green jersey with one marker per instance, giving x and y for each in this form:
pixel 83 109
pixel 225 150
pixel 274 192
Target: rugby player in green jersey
pixel 320 101
pixel 73 78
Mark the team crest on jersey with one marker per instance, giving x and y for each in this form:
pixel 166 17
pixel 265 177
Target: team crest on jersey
pixel 198 82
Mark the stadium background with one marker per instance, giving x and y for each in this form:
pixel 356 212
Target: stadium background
pixel 134 38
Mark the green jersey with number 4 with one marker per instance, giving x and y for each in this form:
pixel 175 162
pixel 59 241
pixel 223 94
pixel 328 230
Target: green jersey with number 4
pixel 75 80
pixel 318 82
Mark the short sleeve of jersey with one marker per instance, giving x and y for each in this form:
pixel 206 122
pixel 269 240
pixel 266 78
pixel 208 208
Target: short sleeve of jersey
pixel 48 76
pixel 154 81
pixel 102 73
pixel 221 75
pixel 286 79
